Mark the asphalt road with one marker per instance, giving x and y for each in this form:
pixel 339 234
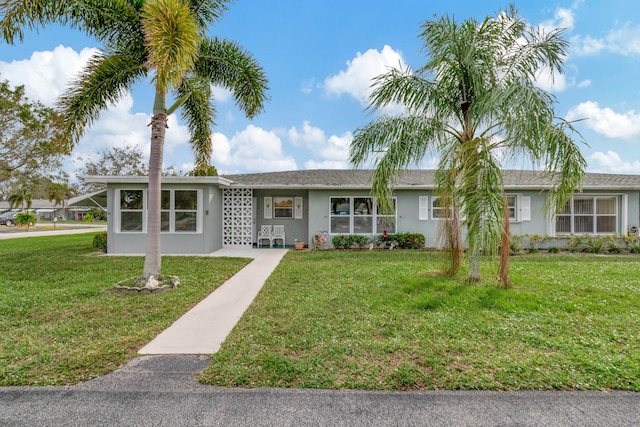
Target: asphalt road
pixel 161 391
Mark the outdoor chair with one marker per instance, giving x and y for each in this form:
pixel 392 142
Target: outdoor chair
pixel 278 234
pixel 265 234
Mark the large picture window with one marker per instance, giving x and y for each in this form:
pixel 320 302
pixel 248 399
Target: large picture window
pixel 360 215
pixel 589 215
pixel 179 211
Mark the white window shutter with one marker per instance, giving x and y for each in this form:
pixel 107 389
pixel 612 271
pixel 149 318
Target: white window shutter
pixel 297 208
pixel 423 208
pixel 525 208
pixel 268 208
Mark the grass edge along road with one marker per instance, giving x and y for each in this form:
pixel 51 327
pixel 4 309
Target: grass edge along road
pixel 63 324
pixel 380 320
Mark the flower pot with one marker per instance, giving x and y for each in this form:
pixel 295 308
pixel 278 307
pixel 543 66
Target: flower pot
pixel 299 245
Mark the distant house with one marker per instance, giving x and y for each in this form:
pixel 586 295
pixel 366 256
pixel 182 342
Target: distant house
pixel 46 210
pixel 204 214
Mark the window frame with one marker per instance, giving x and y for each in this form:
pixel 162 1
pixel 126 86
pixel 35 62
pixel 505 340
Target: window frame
pixel 593 215
pixel 290 209
pixel 120 211
pixel 375 218
pixel 171 211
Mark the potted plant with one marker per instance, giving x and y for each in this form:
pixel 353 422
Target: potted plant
pixel 298 244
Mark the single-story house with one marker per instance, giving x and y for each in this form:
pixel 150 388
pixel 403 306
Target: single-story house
pixel 203 214
pixel 47 210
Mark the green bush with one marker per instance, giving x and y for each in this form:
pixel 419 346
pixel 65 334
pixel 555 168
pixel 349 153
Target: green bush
pixel 516 244
pixel 87 217
pixel 100 240
pixel 25 218
pixel 360 240
pixel 553 249
pixel 341 241
pixel 401 240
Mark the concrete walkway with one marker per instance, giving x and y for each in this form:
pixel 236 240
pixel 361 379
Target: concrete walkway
pixel 203 328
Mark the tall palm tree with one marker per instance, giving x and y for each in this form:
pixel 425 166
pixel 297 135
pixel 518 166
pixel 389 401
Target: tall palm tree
pixel 164 39
pixel 475 104
pixel 20 197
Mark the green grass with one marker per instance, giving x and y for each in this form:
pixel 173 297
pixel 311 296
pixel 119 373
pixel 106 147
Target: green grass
pixel 379 320
pixel 61 323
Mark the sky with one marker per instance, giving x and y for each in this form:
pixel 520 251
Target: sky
pixel 320 57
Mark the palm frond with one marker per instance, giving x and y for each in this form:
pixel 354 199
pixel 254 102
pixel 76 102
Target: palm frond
pixel 208 11
pixel 225 63
pixel 104 80
pixel 199 114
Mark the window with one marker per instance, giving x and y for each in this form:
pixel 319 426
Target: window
pixel 519 208
pixel 360 215
pixel 512 207
pixel 437 210
pixel 589 215
pixel 178 211
pixel 340 215
pixel 185 210
pixel 131 210
pixel 283 207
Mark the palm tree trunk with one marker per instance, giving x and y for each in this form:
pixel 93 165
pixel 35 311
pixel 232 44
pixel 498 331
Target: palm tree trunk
pixel 474 260
pixel 454 242
pixel 153 259
pixel 505 247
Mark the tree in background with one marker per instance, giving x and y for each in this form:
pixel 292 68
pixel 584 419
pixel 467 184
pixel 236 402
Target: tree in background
pixel 29 148
pixel 117 161
pixel 475 104
pixel 162 39
pixel 59 193
pixel 20 197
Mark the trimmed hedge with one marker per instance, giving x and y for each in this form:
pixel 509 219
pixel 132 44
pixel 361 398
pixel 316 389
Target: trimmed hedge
pixel 396 240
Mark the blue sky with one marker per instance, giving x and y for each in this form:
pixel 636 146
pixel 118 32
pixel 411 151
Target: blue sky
pixel 320 58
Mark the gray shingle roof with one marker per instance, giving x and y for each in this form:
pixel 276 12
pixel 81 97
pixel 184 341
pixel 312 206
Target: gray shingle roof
pixel 416 178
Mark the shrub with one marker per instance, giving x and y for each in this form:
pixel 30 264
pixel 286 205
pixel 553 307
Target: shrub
pixel 87 217
pixel 360 240
pixel 100 240
pixel 516 244
pixel 341 241
pixel 401 240
pixel 614 247
pixel 577 243
pixel 633 243
pixel 534 239
pixel 553 249
pixel 25 218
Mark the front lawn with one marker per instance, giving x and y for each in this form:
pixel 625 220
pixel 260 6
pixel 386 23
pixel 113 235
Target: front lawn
pixel 62 324
pixel 380 320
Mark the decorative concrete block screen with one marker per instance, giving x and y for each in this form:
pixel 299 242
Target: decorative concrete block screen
pixel 237 217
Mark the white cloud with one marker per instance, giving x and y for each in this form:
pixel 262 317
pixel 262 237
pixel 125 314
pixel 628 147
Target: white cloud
pixel 584 83
pixel 221 94
pixel 253 149
pixel 607 122
pixel 624 40
pixel 332 152
pixel 611 162
pixel 46 75
pixel 563 18
pixel 552 82
pixel 356 80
